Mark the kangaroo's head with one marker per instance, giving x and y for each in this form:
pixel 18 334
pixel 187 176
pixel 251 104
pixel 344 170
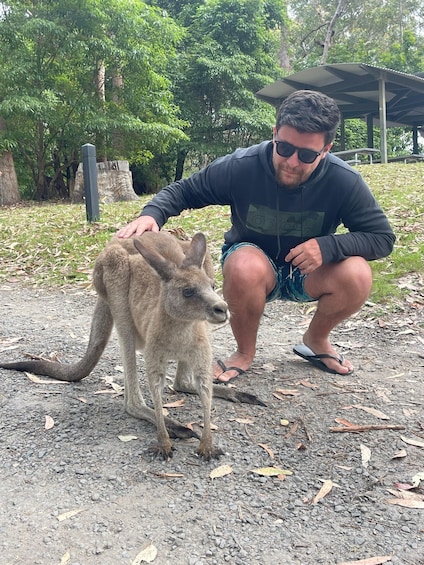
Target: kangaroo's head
pixel 187 291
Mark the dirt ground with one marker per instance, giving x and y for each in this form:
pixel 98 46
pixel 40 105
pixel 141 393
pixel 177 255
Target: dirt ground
pixel 72 491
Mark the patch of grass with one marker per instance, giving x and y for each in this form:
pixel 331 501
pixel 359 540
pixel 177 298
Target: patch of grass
pixel 53 245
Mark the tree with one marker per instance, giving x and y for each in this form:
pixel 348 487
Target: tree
pixel 9 189
pixel 229 51
pixel 51 53
pixel 378 33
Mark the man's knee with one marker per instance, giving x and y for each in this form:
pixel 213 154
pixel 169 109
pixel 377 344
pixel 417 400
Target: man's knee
pixel 249 266
pixel 351 277
pixel 357 274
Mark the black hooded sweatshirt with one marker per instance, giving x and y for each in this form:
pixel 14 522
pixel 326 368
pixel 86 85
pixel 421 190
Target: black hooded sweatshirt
pixel 276 218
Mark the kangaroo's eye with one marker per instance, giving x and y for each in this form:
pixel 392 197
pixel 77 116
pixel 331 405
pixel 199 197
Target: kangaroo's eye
pixel 188 292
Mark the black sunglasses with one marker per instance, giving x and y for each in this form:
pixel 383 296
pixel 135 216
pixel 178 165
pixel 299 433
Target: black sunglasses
pixel 286 149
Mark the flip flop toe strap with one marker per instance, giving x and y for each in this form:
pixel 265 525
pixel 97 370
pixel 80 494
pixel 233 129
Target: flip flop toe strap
pixel 320 356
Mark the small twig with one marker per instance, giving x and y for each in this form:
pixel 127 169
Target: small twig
pixel 292 430
pixel 368 428
pixel 305 429
pixel 346 391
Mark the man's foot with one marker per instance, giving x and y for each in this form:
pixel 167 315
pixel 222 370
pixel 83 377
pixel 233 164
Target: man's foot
pixel 325 358
pixel 231 368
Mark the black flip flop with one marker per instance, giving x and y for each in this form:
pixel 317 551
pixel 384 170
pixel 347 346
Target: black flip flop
pixel 316 359
pixel 225 369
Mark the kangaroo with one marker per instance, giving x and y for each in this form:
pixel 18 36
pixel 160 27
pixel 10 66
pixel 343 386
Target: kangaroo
pixel 158 292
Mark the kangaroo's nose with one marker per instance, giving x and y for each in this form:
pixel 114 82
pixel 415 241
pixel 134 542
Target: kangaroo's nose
pixel 220 311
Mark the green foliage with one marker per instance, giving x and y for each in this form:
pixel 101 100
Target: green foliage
pixel 228 53
pixel 387 33
pixel 50 56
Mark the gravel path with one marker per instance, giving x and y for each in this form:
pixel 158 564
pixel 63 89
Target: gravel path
pixel 77 494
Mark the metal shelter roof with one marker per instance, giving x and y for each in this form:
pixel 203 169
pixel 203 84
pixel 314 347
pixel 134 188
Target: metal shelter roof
pixel 382 97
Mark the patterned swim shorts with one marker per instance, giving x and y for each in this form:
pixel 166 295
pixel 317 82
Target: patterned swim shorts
pixel 290 281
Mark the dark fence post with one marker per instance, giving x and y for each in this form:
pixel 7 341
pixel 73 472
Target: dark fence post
pixel 91 192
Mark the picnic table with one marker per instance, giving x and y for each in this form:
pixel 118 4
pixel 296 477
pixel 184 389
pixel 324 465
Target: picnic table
pixel 345 155
pixel 413 158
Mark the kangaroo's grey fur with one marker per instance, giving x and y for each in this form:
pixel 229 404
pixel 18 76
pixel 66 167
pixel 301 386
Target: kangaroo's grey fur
pixel 157 291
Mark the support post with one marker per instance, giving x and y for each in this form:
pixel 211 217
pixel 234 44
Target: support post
pixel 370 131
pixel 90 182
pixel 383 117
pixel 415 148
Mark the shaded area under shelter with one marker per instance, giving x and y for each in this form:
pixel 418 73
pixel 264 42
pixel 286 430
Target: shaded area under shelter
pixel 382 97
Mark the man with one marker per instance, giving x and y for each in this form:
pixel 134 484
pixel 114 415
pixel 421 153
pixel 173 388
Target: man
pixel 287 198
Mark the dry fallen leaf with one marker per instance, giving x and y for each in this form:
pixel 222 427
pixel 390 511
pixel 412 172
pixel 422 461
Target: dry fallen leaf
pixel 69 514
pixel 406 494
pixel 269 367
pixel 169 475
pixel 127 438
pixel 271 471
pixel 409 441
pixel 408 503
pixel 323 491
pixel 307 384
pixel 369 560
pixel 416 479
pixel 400 454
pixel 65 558
pixel 267 449
pixel 344 422
pixel 373 411
pixel 213 426
pixel 242 420
pixel 220 471
pixel 146 555
pixel 365 455
pixel 175 404
pixel 82 399
pixel 49 423
pixel 286 392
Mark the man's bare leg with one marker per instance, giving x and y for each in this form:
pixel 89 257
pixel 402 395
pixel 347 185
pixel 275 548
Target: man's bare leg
pixel 248 279
pixel 342 288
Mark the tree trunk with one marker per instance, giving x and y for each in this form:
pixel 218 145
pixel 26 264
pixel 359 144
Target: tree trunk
pixel 9 188
pixel 100 82
pixel 179 168
pixel 117 135
pixel 283 54
pixel 41 186
pixel 330 31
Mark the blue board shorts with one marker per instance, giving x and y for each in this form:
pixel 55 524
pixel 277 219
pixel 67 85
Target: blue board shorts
pixel 290 281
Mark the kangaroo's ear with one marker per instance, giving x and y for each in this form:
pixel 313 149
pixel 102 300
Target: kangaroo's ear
pixel 195 255
pixel 164 268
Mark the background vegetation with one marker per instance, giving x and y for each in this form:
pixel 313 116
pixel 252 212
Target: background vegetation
pixel 53 245
pixel 169 84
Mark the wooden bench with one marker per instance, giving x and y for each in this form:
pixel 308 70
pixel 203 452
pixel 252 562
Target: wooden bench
pixel 345 155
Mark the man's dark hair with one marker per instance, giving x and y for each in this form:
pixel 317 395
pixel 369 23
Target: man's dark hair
pixel 308 111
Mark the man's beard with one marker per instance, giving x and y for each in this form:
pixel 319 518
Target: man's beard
pixel 288 181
